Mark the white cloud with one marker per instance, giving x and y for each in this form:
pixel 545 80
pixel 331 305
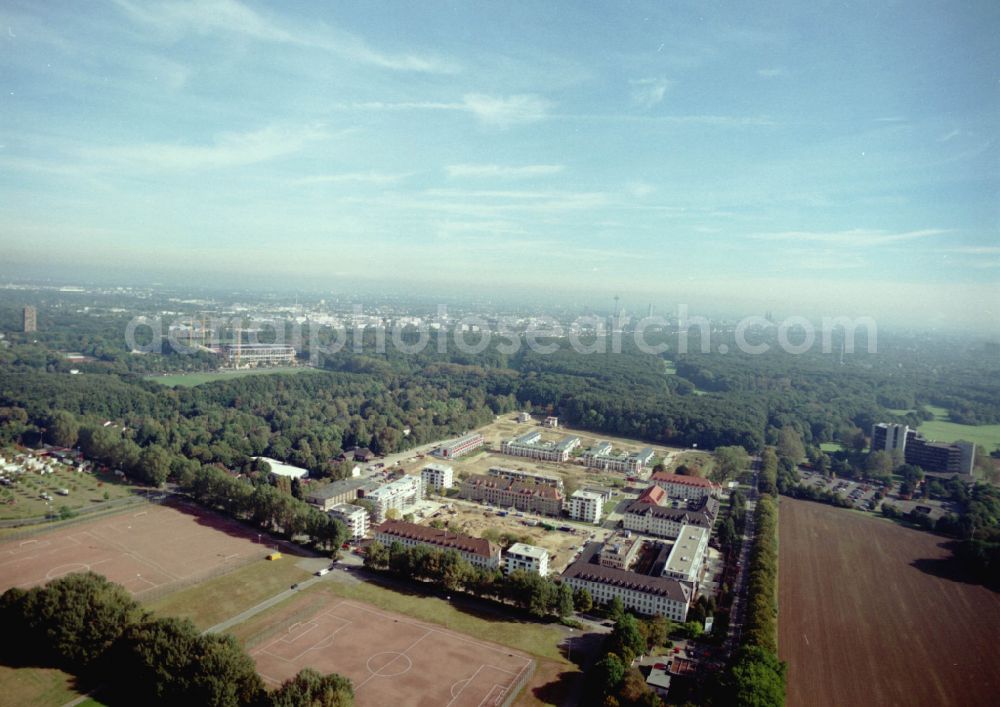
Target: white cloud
pixel 495 111
pixel 972 250
pixel 640 189
pixel 649 92
pixel 950 136
pixel 771 73
pixel 205 17
pixel 228 150
pixel 503 112
pixel 354 177
pixel 498 171
pixel 854 237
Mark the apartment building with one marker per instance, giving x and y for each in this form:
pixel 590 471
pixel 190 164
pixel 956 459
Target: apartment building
pixel 529 445
pixel 354 517
pixel 524 495
pixel 678 486
pixel 529 558
pixel 646 516
pixel 586 506
pixel 687 555
pixel 437 477
pixel 463 445
pixel 476 551
pixel 913 448
pixel 527 476
pixel 399 495
pixel 643 594
pixel 602 456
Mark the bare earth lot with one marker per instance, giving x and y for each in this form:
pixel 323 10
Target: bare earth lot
pixel 861 625
pixel 390 658
pixel 562 546
pixel 143 550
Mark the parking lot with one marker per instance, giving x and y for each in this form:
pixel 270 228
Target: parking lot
pixel 860 493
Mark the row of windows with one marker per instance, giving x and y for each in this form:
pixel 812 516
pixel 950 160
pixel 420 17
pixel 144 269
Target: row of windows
pixel 639 601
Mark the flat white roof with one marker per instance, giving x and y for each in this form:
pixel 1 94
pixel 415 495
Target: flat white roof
pixel 682 554
pixel 346 509
pixel 282 469
pixel 658 677
pixel 587 495
pixel 526 550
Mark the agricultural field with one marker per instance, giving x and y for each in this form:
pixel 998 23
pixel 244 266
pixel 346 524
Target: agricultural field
pixel 186 380
pixel 22 498
pixel 867 616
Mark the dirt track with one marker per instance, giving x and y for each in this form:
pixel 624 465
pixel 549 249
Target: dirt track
pixel 862 622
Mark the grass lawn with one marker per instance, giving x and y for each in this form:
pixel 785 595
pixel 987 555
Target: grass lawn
pixel 699 463
pixel 986 435
pixel 218 599
pixel 536 638
pixel 23 499
pixel 831 447
pixel 937 412
pixel 191 379
pixel 36 686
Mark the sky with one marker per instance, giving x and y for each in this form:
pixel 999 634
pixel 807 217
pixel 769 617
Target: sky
pixel 806 158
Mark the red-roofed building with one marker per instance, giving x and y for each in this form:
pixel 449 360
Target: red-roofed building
pixel 678 486
pixel 476 551
pixel 654 494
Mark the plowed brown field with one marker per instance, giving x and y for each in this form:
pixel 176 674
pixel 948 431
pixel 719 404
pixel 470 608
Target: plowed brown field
pixel 863 622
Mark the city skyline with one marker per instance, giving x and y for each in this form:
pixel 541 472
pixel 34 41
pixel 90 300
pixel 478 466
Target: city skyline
pixel 831 160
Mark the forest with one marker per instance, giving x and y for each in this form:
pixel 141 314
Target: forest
pixel 393 400
pixel 94 629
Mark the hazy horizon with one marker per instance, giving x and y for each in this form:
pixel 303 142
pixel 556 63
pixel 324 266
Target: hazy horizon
pixel 816 161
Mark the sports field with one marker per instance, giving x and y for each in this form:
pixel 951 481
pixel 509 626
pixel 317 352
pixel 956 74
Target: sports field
pixel 390 658
pixel 861 623
pixel 143 550
pixel 187 380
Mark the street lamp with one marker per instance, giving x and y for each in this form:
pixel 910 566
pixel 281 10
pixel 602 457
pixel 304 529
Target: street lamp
pixel 569 646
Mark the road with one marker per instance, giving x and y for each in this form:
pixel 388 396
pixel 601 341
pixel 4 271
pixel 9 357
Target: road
pixel 739 586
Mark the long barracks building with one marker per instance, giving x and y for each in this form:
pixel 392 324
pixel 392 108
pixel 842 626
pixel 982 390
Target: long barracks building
pixel 601 456
pixel 524 495
pixel 476 551
pixel 644 594
pixel 530 445
pixel 647 516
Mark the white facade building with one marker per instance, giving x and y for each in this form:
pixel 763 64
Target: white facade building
pixel 586 506
pixel 399 494
pixel 638 592
pixel 476 551
pixel 678 486
pixel 354 517
pixel 687 554
pixel 529 445
pixel 437 477
pixel 529 558
pixel 601 456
